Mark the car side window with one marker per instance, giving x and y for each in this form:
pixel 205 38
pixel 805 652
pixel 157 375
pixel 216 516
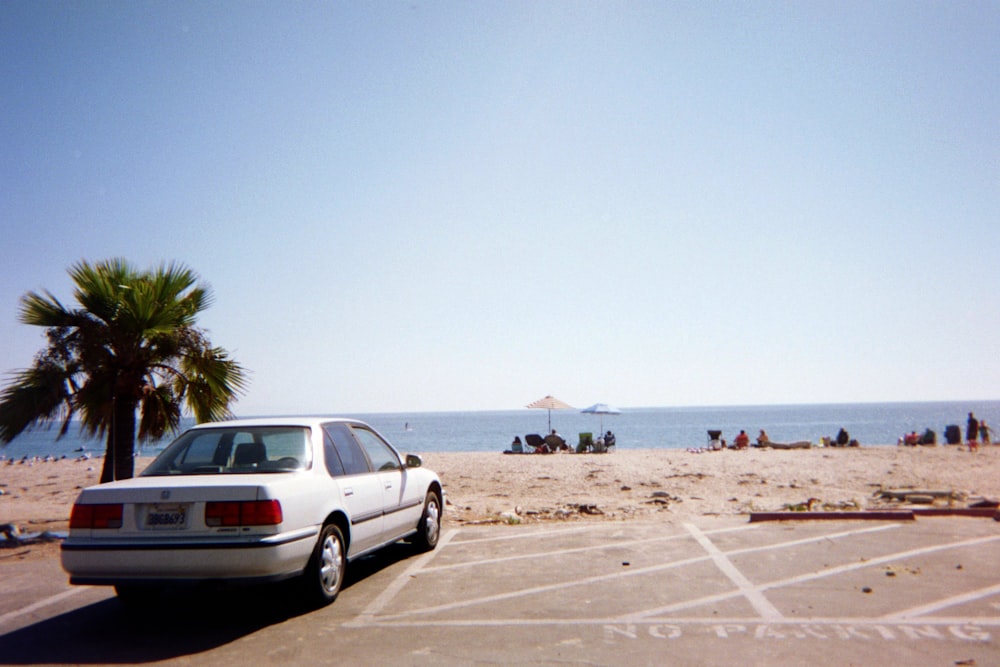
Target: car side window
pixel 288 448
pixel 380 454
pixel 348 449
pixel 334 466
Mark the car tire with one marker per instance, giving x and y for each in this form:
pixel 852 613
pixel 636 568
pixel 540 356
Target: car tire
pixel 429 527
pixel 324 575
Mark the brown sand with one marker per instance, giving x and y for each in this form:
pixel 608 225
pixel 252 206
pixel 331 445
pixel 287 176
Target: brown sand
pixel 675 485
pixel 671 485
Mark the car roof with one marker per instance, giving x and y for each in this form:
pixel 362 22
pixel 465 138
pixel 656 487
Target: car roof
pixel 311 421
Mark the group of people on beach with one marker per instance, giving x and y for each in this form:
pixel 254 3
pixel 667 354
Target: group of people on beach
pixel 554 442
pixel 742 441
pixel 976 432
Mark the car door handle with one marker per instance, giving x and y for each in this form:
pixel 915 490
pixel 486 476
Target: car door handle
pixel 388 485
pixel 348 491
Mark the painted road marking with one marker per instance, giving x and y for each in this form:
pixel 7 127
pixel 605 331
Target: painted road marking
pixel 811 576
pixel 564 552
pixel 617 575
pixel 753 594
pixel 971 596
pixel 548 588
pixel 392 590
pixel 41 604
pixel 768 623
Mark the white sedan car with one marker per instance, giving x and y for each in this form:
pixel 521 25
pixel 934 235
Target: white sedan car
pixel 253 501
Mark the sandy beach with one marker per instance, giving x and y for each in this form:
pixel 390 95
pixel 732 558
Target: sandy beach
pixel 676 485
pixel 668 485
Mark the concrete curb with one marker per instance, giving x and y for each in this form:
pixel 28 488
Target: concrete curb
pixel 884 515
pixel 888 515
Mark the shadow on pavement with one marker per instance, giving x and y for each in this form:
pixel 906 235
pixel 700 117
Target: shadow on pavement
pixel 179 624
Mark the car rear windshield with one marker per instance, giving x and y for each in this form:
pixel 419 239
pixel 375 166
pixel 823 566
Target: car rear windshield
pixel 235 450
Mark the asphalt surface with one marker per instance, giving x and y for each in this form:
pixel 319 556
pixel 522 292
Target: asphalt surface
pixel 710 592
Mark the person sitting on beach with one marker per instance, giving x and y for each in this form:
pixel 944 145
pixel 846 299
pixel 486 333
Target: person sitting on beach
pixel 763 440
pixel 911 439
pixel 555 442
pixel 517 446
pixel 843 438
pixel 984 432
pixel 609 439
pixel 742 441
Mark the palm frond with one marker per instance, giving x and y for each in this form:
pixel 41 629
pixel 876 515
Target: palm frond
pixel 38 395
pixel 213 382
pixel 159 411
pixel 100 288
pixel 43 311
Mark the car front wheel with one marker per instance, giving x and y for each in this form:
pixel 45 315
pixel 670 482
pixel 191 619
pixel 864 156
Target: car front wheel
pixel 429 528
pixel 325 572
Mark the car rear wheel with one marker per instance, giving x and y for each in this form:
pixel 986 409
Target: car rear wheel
pixel 429 528
pixel 325 572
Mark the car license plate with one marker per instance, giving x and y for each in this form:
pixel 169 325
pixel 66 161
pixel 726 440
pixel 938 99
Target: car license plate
pixel 166 517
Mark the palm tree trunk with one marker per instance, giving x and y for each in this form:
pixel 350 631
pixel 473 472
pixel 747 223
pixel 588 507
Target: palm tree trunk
pixel 119 458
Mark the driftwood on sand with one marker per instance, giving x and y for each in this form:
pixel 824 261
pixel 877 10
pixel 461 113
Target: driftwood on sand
pixel 799 444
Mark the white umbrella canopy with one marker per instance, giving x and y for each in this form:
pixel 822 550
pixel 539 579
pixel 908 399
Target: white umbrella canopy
pixel 550 403
pixel 601 409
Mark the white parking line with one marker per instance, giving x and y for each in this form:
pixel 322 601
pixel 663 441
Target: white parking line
pixel 53 599
pixel 544 589
pixel 390 591
pixel 753 594
pixel 563 552
pixel 879 561
pixel 526 534
pixel 458 604
pixel 589 528
pixel 802 578
pixel 711 621
pixel 931 607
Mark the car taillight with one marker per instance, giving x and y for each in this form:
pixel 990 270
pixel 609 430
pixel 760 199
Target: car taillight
pixel 245 513
pixel 222 514
pixel 96 516
pixel 262 513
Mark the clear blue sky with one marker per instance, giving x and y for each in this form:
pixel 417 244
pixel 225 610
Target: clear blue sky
pixel 468 205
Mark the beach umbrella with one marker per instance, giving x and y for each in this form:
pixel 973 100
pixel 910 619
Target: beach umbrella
pixel 550 403
pixel 601 409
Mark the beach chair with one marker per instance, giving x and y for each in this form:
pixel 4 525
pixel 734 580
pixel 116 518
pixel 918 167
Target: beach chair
pixel 715 439
pixel 555 443
pixel 535 441
pixel 714 435
pixel 586 443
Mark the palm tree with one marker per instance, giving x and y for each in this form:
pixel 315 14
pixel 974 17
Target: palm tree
pixel 132 345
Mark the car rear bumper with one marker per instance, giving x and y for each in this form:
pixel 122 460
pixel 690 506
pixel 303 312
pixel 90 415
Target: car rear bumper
pixel 108 562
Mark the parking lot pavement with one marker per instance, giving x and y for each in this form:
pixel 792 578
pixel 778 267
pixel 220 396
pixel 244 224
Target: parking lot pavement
pixel 723 592
pixel 718 591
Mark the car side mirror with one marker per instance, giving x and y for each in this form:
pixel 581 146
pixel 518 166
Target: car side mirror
pixel 413 461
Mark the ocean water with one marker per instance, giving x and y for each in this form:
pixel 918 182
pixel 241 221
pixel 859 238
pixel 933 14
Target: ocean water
pixel 648 428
